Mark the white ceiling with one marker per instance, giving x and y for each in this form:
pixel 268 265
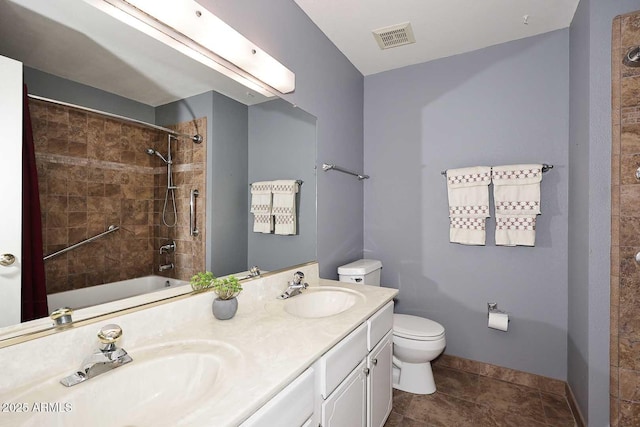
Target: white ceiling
pixel 441 27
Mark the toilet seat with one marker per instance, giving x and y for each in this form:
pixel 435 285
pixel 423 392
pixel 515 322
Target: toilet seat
pixel 416 328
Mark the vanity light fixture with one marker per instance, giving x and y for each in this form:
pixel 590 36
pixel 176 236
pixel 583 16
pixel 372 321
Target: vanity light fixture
pixel 191 29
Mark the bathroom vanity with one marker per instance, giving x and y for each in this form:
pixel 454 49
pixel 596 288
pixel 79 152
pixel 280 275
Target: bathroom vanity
pixel 319 358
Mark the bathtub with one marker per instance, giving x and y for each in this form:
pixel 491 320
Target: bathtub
pixel 101 299
pixel 101 294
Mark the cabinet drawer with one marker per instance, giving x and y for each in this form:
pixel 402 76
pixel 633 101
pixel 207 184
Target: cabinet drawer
pixel 336 364
pixel 281 411
pixel 379 325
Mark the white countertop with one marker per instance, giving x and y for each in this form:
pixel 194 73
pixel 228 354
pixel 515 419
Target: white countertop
pixel 270 347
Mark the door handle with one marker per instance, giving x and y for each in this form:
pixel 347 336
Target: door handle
pixel 7 260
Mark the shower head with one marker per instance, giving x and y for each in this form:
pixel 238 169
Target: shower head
pixel 632 58
pixel 151 152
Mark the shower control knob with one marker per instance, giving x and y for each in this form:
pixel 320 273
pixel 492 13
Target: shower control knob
pixel 638 257
pixel 7 260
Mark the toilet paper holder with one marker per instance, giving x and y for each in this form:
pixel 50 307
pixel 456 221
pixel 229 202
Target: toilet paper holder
pixel 492 307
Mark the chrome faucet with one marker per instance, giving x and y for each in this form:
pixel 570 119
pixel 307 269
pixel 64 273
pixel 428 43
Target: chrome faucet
pixel 295 286
pixel 253 272
pixel 106 358
pixel 164 267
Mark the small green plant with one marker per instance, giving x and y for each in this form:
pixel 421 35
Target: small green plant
pixel 202 281
pixel 226 288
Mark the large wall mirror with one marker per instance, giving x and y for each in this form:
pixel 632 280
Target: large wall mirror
pixel 98 172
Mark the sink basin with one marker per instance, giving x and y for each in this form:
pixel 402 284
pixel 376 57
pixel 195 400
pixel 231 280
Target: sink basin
pixel 321 302
pixel 164 385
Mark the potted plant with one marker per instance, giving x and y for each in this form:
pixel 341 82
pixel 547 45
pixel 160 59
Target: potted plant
pixel 202 281
pixel 227 289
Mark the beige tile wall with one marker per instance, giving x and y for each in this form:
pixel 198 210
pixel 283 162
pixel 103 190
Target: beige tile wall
pixel 625 227
pixel 94 172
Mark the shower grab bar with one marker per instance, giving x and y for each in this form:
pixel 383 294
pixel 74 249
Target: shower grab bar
pixel 328 167
pixel 193 229
pixel 111 229
pixel 545 168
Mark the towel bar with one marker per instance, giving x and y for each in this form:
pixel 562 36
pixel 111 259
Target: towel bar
pixel 299 181
pixel 545 168
pixel 328 167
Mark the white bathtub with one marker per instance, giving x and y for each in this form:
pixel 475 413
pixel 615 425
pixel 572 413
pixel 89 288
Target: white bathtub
pixel 102 299
pixel 101 294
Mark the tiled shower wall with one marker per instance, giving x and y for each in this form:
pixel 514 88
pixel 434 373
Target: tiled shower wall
pixel 94 172
pixel 189 173
pixel 625 227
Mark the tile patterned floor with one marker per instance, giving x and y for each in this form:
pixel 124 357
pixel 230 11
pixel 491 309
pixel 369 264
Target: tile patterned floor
pixel 465 399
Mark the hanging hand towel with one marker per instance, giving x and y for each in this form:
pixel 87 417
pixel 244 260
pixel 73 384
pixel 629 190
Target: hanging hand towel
pixel 261 207
pixel 468 190
pixel 516 193
pixel 284 206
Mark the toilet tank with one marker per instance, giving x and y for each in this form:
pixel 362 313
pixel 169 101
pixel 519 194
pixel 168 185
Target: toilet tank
pixel 362 271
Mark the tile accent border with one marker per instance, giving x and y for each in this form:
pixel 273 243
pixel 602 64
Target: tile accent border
pixel 538 382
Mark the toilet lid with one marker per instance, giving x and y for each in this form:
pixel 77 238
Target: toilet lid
pixel 407 326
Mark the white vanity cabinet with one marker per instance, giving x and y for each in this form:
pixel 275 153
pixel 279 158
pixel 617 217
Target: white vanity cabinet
pixel 379 382
pixel 349 386
pixel 354 377
pixel 347 405
pixel 293 406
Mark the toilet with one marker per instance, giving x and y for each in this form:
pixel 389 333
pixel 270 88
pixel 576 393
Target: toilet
pixel 416 340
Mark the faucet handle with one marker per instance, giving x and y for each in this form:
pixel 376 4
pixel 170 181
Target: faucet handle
pixel 298 277
pixel 62 316
pixel 108 335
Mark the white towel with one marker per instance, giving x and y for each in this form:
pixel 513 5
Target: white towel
pixel 468 190
pixel 261 206
pixel 284 205
pixel 516 193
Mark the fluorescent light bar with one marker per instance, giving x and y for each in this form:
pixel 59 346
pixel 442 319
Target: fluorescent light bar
pixel 191 29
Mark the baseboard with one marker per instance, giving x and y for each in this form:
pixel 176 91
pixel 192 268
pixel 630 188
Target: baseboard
pixel 539 382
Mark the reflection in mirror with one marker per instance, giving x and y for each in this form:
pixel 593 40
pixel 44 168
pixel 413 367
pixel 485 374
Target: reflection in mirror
pixel 96 171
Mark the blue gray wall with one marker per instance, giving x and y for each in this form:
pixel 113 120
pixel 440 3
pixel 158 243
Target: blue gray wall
pixel 227 183
pixel 329 87
pixel 589 231
pixel 578 309
pixel 505 104
pixel 54 87
pixel 282 145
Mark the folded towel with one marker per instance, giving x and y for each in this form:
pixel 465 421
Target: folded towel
pixel 284 206
pixel 516 193
pixel 261 206
pixel 468 190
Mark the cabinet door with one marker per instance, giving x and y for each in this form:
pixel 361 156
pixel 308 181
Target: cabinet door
pixel 347 405
pixel 379 390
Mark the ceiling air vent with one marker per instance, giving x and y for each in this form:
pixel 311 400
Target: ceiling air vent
pixel 394 36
